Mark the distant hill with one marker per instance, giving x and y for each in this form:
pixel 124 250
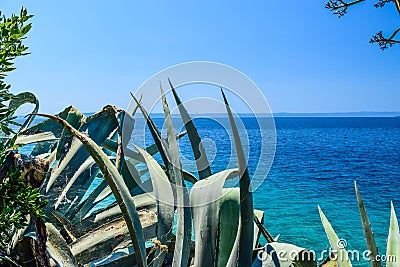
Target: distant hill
pixel 287 114
pixel 278 114
pixel 341 114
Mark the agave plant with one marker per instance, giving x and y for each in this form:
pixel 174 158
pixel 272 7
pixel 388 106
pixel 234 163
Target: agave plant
pixel 105 209
pixel 393 241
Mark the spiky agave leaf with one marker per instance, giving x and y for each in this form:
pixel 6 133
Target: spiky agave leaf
pixel 122 134
pixel 184 222
pixel 369 235
pixel 165 203
pixel 58 248
pixel 151 149
pixel 118 187
pixel 342 256
pixel 70 114
pixel 101 241
pixel 161 144
pixel 88 168
pixel 98 127
pixel 100 217
pixel 205 200
pixel 245 251
pixel 229 207
pixel 393 241
pixel 130 174
pixel 259 216
pixel 200 156
pixel 263 230
pixel 35 138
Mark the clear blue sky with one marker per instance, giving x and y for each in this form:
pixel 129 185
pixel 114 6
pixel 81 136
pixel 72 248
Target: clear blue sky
pixel 92 53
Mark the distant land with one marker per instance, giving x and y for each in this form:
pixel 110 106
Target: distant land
pixel 341 114
pixel 288 114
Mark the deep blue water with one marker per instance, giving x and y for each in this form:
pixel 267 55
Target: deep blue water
pixel 316 163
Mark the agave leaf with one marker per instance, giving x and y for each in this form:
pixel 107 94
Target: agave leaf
pixel 58 249
pixel 54 127
pixel 203 166
pixel 58 131
pixel 113 146
pixel 87 168
pixel 103 216
pixel 165 203
pixel 342 256
pixel 264 231
pixel 259 216
pixel 98 127
pixel 184 222
pixel 80 211
pixel 21 99
pixel 204 200
pixel 124 130
pixel 130 174
pixel 229 207
pixel 369 235
pixel 158 140
pixel 152 149
pixel 101 241
pixel 122 134
pixel 187 176
pixel 76 119
pixel 118 187
pixel 393 241
pixel 246 197
pixel 35 138
pixel 102 191
pixel 67 230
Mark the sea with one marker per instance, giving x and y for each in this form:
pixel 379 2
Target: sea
pixel 317 160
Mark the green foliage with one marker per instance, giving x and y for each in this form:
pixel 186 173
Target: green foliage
pixel 18 198
pixel 13 31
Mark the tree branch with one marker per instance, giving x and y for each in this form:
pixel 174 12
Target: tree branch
pixel 339 7
pixel 383 42
pixel 381 3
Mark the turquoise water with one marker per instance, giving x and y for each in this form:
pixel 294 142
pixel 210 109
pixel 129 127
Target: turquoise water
pixel 316 163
